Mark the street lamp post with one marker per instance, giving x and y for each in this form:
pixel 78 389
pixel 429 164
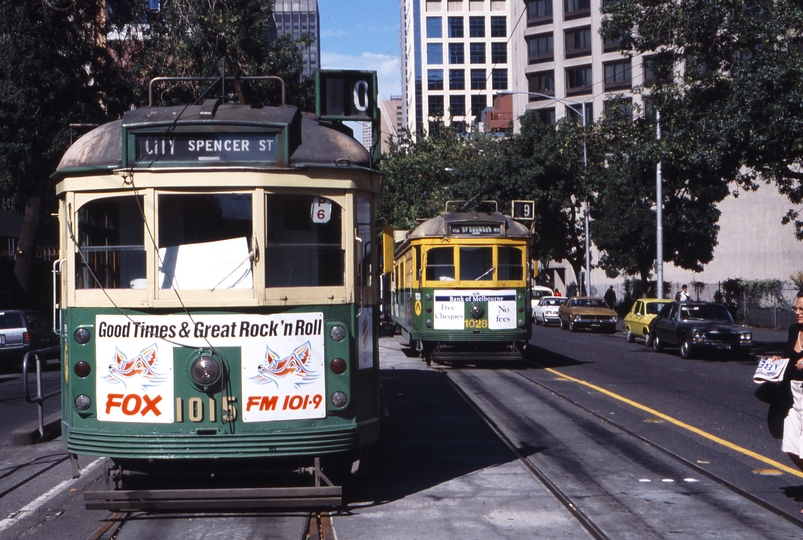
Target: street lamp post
pixel 568 104
pixel 659 216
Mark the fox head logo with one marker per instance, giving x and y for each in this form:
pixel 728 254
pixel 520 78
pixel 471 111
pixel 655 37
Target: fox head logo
pixel 295 367
pixel 141 370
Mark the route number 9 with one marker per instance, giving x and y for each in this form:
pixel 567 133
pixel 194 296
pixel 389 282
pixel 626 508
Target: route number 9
pixel 523 210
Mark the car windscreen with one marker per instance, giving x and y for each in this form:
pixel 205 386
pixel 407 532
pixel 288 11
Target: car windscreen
pixel 10 319
pixel 709 312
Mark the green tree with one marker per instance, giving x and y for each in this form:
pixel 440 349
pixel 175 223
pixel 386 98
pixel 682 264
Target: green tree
pixel 88 61
pixel 728 84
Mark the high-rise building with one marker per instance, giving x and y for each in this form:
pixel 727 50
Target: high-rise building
pixel 299 17
pixel 562 64
pixel 455 57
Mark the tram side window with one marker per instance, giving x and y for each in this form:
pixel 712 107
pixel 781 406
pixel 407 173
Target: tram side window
pixel 205 241
pixel 511 267
pixel 304 242
pixel 440 264
pixel 111 241
pixel 476 264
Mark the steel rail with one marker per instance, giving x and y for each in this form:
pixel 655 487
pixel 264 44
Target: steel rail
pixel 711 476
pixel 586 522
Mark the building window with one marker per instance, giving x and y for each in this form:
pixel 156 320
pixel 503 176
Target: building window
pixel 434 79
pixel 547 116
pixel 619 108
pixel 611 45
pixel 457 79
pixel 617 75
pixel 575 113
pixel 499 53
pixel 578 42
pixel 541 49
pixel 436 105
pixel 539 12
pixel 574 9
pixel 498 27
pixel 456 53
pixel 578 80
pixel 434 27
pixel 477 51
pixel 478 79
pixel 457 105
pixel 478 104
pixel 434 53
pixel 541 83
pixel 499 79
pixel 476 27
pixel 455 27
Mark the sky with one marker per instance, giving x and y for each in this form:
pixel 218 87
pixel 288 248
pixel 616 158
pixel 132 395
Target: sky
pixel 362 34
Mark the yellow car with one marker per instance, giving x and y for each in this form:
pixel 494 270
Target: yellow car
pixel 586 312
pixel 637 321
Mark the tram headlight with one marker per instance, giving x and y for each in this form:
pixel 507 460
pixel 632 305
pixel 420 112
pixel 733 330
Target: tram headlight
pixel 429 323
pixel 339 399
pixel 82 369
pixel 205 371
pixel 81 336
pixel 521 322
pixel 82 402
pixel 477 312
pixel 337 333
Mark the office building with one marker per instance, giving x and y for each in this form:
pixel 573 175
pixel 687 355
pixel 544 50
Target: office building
pixel 299 17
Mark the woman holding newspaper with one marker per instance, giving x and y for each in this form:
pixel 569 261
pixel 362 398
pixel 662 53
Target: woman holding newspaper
pixel 793 424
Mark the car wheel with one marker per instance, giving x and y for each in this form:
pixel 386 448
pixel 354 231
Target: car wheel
pixel 657 344
pixel 572 327
pixel 562 327
pixel 647 339
pixel 685 349
pixel 630 336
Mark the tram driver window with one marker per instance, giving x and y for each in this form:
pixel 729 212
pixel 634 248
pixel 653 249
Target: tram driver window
pixel 110 239
pixel 304 242
pixel 440 264
pixel 511 264
pixel 205 241
pixel 476 264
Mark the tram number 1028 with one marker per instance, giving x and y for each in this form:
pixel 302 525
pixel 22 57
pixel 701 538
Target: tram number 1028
pixel 476 323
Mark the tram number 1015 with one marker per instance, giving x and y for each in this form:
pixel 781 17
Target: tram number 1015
pixel 198 411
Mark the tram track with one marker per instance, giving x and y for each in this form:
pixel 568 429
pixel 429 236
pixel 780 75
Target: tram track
pixel 586 522
pixel 680 459
pixel 573 506
pixel 312 525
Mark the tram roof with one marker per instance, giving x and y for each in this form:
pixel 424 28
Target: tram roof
pixel 442 225
pixel 313 143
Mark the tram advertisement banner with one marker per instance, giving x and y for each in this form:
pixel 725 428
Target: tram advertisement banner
pixel 450 309
pixel 281 364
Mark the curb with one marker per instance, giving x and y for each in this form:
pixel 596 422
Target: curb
pixel 29 433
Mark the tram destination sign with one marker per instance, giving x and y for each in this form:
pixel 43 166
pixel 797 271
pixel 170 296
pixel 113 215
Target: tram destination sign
pixel 475 229
pixel 206 148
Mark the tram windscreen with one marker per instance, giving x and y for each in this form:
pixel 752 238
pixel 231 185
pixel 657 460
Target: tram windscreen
pixel 110 239
pixel 440 264
pixel 205 241
pixel 511 264
pixel 476 264
pixel 304 242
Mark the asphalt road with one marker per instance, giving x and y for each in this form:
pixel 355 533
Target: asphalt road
pixel 586 408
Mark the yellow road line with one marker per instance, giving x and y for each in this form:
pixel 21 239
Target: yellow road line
pixel 683 425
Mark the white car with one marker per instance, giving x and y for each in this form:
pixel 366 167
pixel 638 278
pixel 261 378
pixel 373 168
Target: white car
pixel 536 293
pixel 546 310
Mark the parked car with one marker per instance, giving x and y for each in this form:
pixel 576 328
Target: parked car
pixel 698 326
pixel 587 312
pixel 22 331
pixel 536 293
pixel 546 310
pixel 637 321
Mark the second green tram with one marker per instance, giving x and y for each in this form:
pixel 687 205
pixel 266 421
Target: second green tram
pixel 459 287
